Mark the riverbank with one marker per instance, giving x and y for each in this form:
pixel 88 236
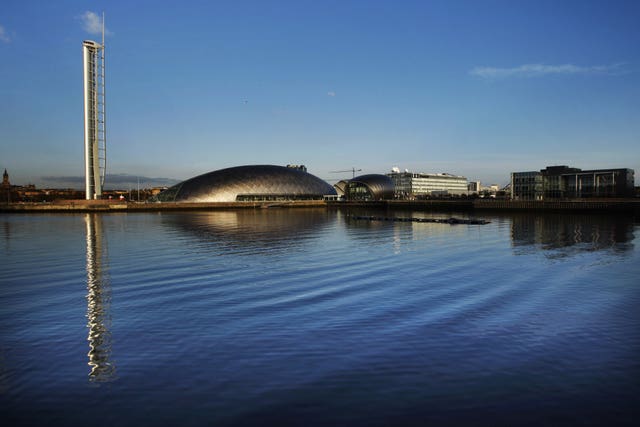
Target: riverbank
pixel 492 205
pixel 484 205
pixel 123 206
pixel 477 205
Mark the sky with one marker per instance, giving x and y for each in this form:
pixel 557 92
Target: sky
pixel 473 88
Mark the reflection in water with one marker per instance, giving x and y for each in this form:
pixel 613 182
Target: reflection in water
pixel 402 231
pixel 98 302
pixel 270 229
pixel 581 232
pixel 7 235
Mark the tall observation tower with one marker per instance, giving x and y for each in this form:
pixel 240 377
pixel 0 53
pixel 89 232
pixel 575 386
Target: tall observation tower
pixel 95 131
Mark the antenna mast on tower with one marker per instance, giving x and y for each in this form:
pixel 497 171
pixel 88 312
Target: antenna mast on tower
pixel 95 131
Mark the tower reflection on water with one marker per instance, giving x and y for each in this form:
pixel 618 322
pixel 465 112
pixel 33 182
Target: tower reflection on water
pixel 98 302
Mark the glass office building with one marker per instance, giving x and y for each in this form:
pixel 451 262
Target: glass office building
pixel 410 185
pixel 526 186
pixel 563 182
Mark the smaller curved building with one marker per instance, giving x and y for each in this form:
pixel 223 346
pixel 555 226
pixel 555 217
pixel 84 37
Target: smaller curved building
pixel 369 188
pixel 341 187
pixel 249 183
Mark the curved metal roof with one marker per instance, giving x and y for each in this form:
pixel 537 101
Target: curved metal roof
pixel 225 185
pixel 340 186
pixel 380 186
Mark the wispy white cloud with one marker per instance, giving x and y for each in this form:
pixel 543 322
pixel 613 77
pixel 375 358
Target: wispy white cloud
pixel 331 93
pixel 4 36
pixel 92 23
pixel 540 70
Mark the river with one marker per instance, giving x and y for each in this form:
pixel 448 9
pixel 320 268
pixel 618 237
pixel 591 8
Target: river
pixel 311 317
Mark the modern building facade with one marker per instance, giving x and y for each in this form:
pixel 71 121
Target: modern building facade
pixel 249 184
pixel 561 182
pixel 370 187
pixel 410 185
pixel 526 185
pixel 95 134
pixel 474 187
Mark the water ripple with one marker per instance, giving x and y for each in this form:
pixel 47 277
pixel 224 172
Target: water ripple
pixel 264 317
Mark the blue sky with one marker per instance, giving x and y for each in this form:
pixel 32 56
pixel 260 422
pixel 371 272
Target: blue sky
pixel 474 88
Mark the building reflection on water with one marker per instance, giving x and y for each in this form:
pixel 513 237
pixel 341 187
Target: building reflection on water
pixel 98 302
pixel 578 232
pixel 269 229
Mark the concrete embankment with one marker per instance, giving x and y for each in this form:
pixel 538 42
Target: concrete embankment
pixel 486 205
pixel 459 205
pixel 118 206
pixel 592 205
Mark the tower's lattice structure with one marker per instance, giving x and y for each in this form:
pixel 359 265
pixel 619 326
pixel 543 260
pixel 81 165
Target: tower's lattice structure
pixel 95 131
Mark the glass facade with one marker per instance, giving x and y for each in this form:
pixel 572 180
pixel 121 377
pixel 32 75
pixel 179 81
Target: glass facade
pixel 593 184
pixel 369 188
pixel 557 182
pixel 526 186
pixel 358 191
pixel 277 197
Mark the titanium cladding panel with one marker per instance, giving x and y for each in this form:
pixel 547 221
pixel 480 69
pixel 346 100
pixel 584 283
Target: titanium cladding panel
pixel 226 185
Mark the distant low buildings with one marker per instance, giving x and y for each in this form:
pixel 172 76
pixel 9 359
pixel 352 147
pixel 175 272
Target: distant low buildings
pixel 474 187
pixel 416 185
pixel 557 182
pixel 29 193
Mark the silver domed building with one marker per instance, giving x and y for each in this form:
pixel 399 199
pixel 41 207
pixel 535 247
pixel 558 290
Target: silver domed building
pixel 249 183
pixel 367 188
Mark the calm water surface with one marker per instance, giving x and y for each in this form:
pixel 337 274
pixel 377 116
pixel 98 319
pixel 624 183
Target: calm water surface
pixel 308 317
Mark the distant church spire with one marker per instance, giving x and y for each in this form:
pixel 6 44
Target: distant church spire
pixel 5 179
